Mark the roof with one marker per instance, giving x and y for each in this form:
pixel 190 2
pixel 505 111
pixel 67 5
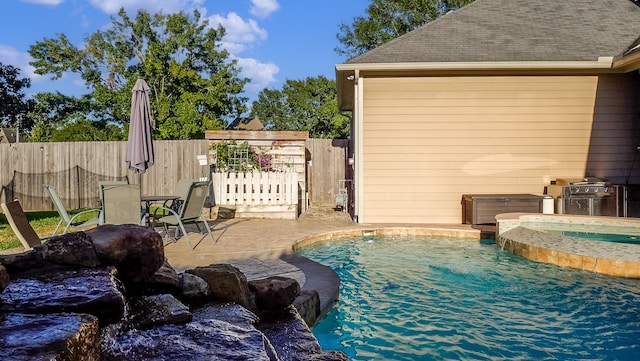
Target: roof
pixel 7 135
pixel 245 124
pixel 518 30
pixel 508 36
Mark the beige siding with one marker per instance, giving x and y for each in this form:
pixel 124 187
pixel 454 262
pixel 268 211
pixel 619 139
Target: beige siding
pixel 428 141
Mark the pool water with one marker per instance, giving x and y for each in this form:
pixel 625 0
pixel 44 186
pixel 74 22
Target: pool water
pixel 422 298
pixel 604 237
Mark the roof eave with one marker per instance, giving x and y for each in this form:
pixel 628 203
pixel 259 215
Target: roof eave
pixel 346 73
pixel 627 63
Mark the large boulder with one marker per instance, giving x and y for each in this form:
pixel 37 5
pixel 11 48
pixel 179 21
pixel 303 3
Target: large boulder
pixel 292 339
pixel 226 284
pixel 274 292
pixel 165 280
pixel 155 310
pixel 56 336
pixel 74 249
pixel 194 289
pixel 308 306
pixel 87 290
pixel 136 251
pixel 221 334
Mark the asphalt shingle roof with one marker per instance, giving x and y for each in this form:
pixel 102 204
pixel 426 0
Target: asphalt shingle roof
pixel 518 30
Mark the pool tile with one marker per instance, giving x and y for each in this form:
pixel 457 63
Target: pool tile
pixel 617 268
pixel 525 250
pixel 632 269
pixel 543 255
pixel 564 259
pixel 604 266
pixel 588 263
pixel 576 261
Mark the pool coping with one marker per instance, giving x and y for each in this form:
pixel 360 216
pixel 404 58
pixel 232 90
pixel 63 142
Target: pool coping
pixel 614 259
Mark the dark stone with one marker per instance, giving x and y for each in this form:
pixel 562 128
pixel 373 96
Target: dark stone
pixel 274 292
pixel 4 277
pixel 202 339
pixel 56 336
pixel 136 251
pixel 194 289
pixel 92 291
pixel 229 312
pixel 292 338
pixel 21 262
pixel 150 311
pixel 63 301
pixel 226 284
pixel 165 280
pixel 308 306
pixel 74 249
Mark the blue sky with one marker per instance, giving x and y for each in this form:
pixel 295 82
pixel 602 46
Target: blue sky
pixel 273 40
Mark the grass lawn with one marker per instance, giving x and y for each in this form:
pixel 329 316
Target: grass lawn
pixel 43 222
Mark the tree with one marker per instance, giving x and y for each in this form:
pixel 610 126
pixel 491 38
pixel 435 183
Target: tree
pixel 14 106
pixel 194 86
pixel 389 19
pixel 309 104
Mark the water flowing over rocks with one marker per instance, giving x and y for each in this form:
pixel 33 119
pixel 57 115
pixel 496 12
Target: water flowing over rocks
pixel 110 294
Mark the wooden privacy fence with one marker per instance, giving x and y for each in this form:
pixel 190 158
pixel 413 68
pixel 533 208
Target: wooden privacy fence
pixel 25 167
pixel 258 194
pixel 75 168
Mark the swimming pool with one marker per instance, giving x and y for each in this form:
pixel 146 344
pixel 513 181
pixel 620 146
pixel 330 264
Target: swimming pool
pixel 433 298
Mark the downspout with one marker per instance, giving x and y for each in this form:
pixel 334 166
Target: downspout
pixel 358 109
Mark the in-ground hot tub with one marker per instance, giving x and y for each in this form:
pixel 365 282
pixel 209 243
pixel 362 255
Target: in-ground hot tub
pixel 545 238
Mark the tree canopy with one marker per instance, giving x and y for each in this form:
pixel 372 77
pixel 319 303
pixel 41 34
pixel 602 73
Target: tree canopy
pixel 194 85
pixel 310 104
pixel 388 19
pixel 14 106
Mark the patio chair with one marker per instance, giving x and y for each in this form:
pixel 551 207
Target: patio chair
pixel 190 212
pixel 69 221
pixel 121 204
pixel 181 190
pixel 20 224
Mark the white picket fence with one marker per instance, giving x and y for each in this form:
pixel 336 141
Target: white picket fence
pixel 258 194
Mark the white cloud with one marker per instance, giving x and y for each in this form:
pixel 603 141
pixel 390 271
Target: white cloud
pixel 69 84
pixel 261 74
pixel 11 56
pixel 263 8
pixel 238 32
pixel 44 2
pixel 152 6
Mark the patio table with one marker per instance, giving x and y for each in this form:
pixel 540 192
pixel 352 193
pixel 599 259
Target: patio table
pixel 164 199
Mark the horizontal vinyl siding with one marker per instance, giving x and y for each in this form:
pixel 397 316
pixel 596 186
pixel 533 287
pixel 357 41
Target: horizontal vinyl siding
pixel 428 141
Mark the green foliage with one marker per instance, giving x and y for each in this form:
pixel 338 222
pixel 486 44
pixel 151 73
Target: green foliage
pixel 240 157
pixel 309 104
pixel 14 106
pixel 61 118
pixel 193 84
pixel 389 19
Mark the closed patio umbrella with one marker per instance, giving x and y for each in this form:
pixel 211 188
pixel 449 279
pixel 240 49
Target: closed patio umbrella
pixel 140 155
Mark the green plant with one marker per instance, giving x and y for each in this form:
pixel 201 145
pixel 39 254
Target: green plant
pixel 231 156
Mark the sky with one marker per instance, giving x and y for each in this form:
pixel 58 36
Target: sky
pixel 272 40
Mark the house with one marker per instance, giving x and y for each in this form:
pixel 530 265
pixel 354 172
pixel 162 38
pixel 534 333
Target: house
pixel 246 123
pixel 498 97
pixel 7 135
